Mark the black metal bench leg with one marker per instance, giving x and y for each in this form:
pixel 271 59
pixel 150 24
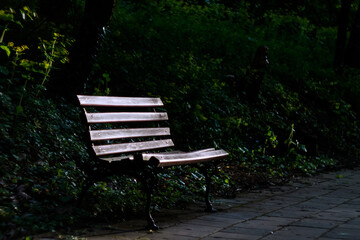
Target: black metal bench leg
pixel 150 221
pixel 148 180
pixel 209 206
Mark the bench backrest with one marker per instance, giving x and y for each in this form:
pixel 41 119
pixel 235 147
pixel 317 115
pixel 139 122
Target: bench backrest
pixel 108 138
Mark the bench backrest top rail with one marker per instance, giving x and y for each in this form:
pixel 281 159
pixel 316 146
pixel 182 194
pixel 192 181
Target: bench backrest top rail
pixel 110 101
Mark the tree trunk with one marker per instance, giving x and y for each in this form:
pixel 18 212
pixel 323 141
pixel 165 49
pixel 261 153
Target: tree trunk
pixel 353 48
pixel 343 20
pixel 82 56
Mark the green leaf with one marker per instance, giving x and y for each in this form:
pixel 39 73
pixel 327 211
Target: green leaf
pixel 6 49
pixel 6 16
pixel 19 109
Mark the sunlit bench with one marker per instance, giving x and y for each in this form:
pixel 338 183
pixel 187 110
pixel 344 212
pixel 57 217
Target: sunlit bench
pixel 126 136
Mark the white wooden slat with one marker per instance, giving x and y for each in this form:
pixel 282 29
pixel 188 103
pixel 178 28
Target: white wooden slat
pixel 108 134
pixel 108 117
pixel 172 154
pixel 111 101
pixel 101 150
pixel 189 158
pixel 184 155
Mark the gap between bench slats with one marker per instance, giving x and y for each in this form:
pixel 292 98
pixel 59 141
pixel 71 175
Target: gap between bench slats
pixel 108 134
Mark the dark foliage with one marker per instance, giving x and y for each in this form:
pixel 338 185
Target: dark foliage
pixel 198 57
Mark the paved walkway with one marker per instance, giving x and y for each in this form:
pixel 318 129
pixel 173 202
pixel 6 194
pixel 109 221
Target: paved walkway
pixel 323 207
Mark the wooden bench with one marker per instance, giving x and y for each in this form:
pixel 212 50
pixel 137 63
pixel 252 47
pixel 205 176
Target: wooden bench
pixel 125 138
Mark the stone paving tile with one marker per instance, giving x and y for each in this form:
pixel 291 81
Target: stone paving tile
pixel 355 186
pixel 311 192
pixel 238 213
pixel 118 236
pixel 350 225
pixel 350 207
pixel 286 199
pixel 228 203
pixel 346 210
pixel 231 236
pixel 283 188
pixel 251 196
pixel 355 201
pixel 281 201
pixel 332 199
pixel 344 233
pixel 239 228
pixel 166 236
pixel 266 206
pixel 329 186
pixel 242 209
pixel 279 221
pixel 315 204
pixel 349 193
pixel 260 224
pixel 291 212
pixel 189 230
pixel 296 233
pixel 334 215
pixel 272 205
pixel 354 221
pixel 223 220
pixel 211 223
pixel 323 238
pixel 316 223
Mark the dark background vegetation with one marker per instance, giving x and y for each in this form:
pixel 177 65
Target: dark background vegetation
pixel 198 57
